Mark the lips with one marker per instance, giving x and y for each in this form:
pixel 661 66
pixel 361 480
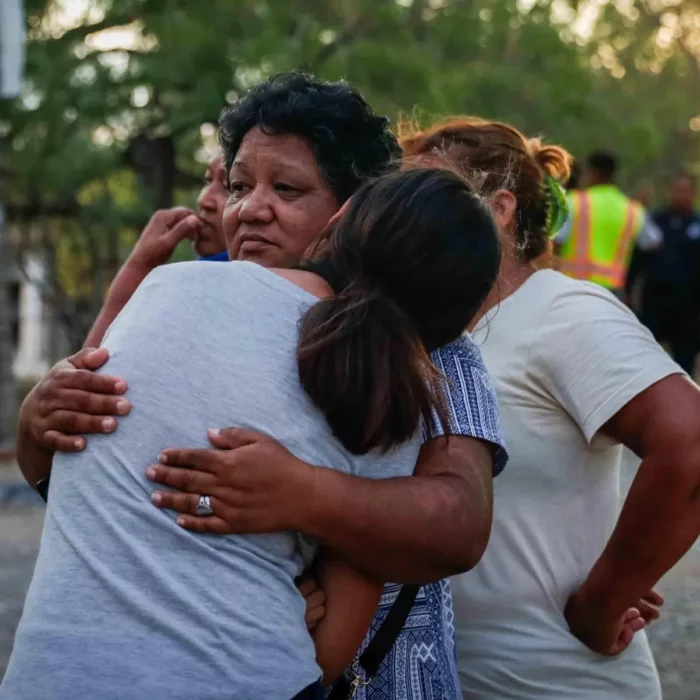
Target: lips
pixel 254 238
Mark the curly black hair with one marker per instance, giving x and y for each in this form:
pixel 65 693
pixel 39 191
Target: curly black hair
pixel 350 142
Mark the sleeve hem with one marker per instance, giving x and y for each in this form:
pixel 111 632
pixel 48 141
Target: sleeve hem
pixel 625 394
pixel 500 453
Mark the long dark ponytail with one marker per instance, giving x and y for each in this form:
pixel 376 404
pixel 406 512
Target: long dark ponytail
pixel 417 252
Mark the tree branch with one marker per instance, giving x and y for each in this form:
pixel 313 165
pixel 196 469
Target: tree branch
pixel 26 212
pixel 79 33
pixel 345 38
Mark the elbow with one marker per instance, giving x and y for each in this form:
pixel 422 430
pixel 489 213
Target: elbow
pixel 332 663
pixel 676 473
pixel 474 548
pixel 470 530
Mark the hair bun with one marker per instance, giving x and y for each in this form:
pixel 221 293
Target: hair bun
pixel 554 160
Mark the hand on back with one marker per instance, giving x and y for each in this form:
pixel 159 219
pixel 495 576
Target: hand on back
pixel 72 400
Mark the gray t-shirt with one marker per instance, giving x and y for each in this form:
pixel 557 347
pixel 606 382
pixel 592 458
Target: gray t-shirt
pixel 124 603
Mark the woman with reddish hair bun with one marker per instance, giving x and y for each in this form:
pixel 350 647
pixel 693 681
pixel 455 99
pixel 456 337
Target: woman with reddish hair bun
pixel 557 606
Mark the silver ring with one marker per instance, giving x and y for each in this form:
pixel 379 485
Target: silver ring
pixel 204 508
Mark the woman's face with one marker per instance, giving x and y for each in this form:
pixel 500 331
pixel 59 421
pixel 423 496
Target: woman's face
pixel 209 238
pixel 278 203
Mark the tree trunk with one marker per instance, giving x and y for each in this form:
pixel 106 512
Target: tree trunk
pixel 8 386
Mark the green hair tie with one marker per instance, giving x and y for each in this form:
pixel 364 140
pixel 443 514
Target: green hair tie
pixel 557 208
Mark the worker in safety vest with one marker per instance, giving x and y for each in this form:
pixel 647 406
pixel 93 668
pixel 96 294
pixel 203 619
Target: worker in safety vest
pixel 596 242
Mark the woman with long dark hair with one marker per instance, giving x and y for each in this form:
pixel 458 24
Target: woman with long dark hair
pixel 296 148
pixel 124 600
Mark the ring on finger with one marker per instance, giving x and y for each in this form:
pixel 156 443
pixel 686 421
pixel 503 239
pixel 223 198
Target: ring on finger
pixel 204 508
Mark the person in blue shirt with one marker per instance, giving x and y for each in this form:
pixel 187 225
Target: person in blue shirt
pixel 670 275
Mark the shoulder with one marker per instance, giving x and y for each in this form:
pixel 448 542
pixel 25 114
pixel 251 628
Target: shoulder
pixel 463 350
pixel 190 271
pixel 637 207
pixel 592 355
pixel 582 317
pixel 564 300
pixel 471 402
pixel 575 320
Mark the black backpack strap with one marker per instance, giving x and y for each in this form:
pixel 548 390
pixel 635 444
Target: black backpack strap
pixel 42 487
pixel 379 646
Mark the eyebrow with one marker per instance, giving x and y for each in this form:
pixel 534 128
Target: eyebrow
pixel 241 164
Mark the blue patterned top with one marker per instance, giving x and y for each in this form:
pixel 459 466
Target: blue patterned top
pixel 422 665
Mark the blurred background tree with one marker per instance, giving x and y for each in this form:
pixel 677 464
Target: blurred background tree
pixel 118 113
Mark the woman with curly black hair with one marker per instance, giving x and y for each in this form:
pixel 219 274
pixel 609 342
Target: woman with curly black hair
pixel 124 600
pixel 295 149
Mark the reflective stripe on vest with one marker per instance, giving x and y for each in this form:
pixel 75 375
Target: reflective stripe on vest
pixel 581 265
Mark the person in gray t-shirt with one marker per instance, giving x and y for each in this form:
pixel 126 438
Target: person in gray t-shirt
pixel 125 602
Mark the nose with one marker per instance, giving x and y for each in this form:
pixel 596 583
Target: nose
pixel 256 207
pixel 206 199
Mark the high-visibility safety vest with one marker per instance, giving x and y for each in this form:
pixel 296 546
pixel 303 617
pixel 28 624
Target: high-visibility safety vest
pixel 604 225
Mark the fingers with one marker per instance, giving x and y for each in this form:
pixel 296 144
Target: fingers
pixel 89 358
pixel 632 623
pixel 186 504
pixel 85 402
pixel 316 600
pixel 186 480
pixel 170 217
pixel 624 640
pixel 654 598
pixel 185 228
pixel 86 380
pixel 72 423
pixel 306 586
pixel 315 609
pixel 232 438
pixel 649 613
pixel 63 443
pixel 209 525
pixel 209 461
pixel 172 500
pixel 630 615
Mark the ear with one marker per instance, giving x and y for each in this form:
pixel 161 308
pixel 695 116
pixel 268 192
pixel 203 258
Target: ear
pixel 337 216
pixel 334 220
pixel 503 206
pixel 316 246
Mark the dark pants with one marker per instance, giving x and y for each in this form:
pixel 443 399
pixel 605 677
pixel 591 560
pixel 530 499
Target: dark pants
pixel 313 692
pixel 677 325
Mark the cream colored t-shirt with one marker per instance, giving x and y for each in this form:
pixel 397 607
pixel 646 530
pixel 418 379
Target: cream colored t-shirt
pixel 564 357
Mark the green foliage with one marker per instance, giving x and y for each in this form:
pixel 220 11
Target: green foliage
pixel 135 72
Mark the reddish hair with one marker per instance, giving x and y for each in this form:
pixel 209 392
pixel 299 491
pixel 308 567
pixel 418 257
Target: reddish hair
pixel 502 158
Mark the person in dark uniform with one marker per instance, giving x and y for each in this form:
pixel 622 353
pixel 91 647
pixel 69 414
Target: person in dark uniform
pixel 670 275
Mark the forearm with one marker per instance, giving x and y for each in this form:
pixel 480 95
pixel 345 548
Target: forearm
pixel 351 602
pixel 34 460
pixel 659 522
pixel 120 291
pixel 409 530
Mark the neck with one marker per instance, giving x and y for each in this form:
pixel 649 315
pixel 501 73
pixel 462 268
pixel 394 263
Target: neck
pixel 511 276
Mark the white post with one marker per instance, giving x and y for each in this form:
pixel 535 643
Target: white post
pixel 30 362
